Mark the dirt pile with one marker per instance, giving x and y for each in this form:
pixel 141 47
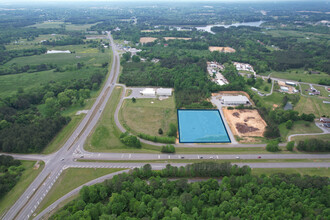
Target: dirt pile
pixel 244 128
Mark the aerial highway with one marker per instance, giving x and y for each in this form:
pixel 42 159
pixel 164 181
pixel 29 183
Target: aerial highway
pixel 72 150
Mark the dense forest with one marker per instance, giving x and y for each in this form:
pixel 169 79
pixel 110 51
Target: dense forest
pixel 10 172
pixel 147 194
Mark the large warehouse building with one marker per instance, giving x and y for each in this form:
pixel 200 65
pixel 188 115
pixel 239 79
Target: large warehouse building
pixel 235 100
pixel 164 92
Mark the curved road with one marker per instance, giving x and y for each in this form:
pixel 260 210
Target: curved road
pixel 62 159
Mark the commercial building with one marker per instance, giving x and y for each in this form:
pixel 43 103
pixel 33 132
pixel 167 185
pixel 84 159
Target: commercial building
pixel 148 91
pixel 164 92
pixel 235 100
pixel 290 83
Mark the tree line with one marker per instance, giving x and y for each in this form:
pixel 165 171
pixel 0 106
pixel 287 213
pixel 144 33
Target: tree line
pixel 146 194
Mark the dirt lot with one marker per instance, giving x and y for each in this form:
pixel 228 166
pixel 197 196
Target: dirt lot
pixel 178 38
pixel 145 40
pixel 245 123
pixel 222 49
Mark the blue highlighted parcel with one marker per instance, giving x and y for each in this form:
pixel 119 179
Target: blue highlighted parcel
pixel 201 126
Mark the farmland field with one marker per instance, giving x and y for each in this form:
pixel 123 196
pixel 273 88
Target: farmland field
pixel 313 105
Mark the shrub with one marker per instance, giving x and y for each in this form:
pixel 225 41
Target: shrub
pixel 272 146
pixel 166 140
pixel 314 145
pixel 290 146
pixel 130 140
pixel 160 131
pixel 168 149
pixel 230 108
pixel 289 124
pixel 173 130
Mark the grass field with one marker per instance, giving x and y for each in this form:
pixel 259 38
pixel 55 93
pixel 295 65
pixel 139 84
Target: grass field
pixel 325 137
pixel 29 174
pixel 302 171
pixel 274 98
pixel 301 36
pixel 299 127
pixel 300 75
pixel 313 105
pixel 58 24
pixel 105 138
pixel 69 180
pixel 148 115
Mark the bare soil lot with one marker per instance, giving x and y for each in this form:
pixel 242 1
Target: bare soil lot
pixel 222 49
pixel 245 123
pixel 144 40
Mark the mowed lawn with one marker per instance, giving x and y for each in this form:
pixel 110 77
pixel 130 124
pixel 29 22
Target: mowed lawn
pixel 324 137
pixel 301 75
pixel 148 115
pixel 29 174
pixel 313 105
pixel 69 180
pixel 299 127
pixel 105 138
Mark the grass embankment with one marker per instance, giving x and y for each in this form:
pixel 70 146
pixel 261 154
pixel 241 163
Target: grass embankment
pixel 299 127
pixel 28 175
pixel 148 115
pixel 69 180
pixel 302 171
pixel 105 138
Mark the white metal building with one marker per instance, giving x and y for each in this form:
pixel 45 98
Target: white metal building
pixel 290 83
pixel 284 89
pixel 164 92
pixel 148 91
pixel 235 100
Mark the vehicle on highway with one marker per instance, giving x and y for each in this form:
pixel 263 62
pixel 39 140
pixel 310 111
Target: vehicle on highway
pixel 200 157
pixel 62 159
pixel 237 157
pixel 182 157
pixel 259 157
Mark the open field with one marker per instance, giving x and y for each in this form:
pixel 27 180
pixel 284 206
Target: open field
pixel 59 24
pixel 222 49
pixel 69 180
pixel 325 137
pixel 313 105
pixel 299 127
pixel 177 38
pixel 301 36
pixel 302 171
pixel 105 137
pixel 148 115
pixel 300 75
pixel 245 123
pixel 29 174
pixel 144 40
pixel 275 98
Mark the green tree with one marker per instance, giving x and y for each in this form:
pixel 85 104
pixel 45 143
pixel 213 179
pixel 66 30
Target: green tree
pixel 289 124
pixel 272 146
pixel 160 131
pixel 290 146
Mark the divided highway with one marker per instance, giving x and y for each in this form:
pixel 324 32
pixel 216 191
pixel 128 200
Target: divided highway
pixel 55 163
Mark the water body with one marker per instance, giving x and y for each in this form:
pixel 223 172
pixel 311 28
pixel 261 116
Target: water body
pixel 201 126
pixel 208 27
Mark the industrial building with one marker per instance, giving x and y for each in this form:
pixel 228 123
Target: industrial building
pixel 284 89
pixel 154 92
pixel 235 100
pixel 148 91
pixel 290 83
pixel 164 92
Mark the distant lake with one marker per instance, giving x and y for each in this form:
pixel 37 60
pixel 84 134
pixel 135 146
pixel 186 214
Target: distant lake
pixel 208 27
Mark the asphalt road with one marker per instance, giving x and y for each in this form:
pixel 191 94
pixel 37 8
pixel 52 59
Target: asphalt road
pixel 55 163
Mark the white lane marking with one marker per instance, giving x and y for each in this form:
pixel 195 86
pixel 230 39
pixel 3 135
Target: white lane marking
pixel 158 156
pixel 129 156
pixel 122 155
pixel 169 157
pixel 217 157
